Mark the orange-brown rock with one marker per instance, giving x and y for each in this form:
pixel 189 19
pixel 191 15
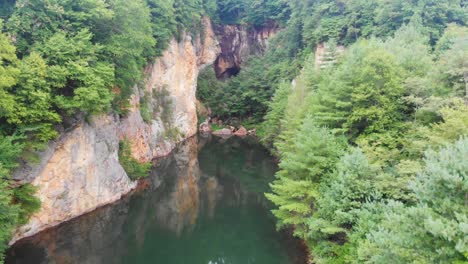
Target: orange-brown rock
pixel 241 132
pixel 80 174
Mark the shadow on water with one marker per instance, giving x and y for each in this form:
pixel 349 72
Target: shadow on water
pixel 204 204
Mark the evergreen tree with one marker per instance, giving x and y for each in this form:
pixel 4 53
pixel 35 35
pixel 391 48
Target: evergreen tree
pixel 432 231
pixel 296 191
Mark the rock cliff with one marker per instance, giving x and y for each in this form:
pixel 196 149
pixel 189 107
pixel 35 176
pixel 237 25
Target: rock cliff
pixel 80 171
pixel 237 43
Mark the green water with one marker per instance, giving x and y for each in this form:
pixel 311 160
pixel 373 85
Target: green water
pixel 203 205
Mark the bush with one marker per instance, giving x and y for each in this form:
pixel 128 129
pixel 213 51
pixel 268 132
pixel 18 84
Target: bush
pixel 28 203
pixel 135 170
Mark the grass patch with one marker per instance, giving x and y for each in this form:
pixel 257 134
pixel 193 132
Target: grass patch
pixel 134 169
pixel 146 110
pixel 165 105
pixel 216 127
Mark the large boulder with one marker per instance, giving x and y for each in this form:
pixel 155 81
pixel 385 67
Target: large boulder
pixel 241 132
pixel 225 132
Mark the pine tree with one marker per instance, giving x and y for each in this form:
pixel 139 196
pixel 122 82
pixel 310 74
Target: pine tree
pixel 433 230
pixel 296 191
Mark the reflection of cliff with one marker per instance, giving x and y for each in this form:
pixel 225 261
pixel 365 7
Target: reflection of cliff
pixel 180 208
pixel 185 194
pixel 103 236
pixel 212 191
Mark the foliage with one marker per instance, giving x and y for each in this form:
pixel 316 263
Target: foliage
pixel 16 205
pixel 9 214
pixel 314 157
pixel 432 231
pixel 293 199
pixel 391 97
pixel 163 22
pixel 272 123
pixel 28 203
pixel 253 13
pixel 165 106
pixel 350 20
pixel 134 169
pixel 381 202
pixel 146 110
pixel 173 133
pixel 248 94
pixel 314 153
pixel 363 95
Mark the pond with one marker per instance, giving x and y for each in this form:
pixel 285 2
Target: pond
pixel 203 204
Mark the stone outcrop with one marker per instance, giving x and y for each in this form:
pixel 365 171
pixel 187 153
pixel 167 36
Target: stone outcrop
pixel 225 132
pixel 81 171
pixel 238 43
pixel 173 76
pixel 241 132
pixel 205 127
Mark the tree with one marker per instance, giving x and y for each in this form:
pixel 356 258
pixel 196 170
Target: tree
pixel 8 78
pixel 344 194
pixel 163 22
pixel 35 100
pixel 296 191
pixel 363 95
pixel 452 69
pixel 79 79
pixel 10 150
pixel 272 124
pixel 9 213
pixel 131 40
pixel 433 230
pixel 294 201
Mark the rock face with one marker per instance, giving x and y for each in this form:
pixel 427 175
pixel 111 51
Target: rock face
pixel 82 174
pixel 239 42
pixel 171 89
pixel 81 171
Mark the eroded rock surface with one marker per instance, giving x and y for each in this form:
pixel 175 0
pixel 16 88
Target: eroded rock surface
pixel 82 174
pixel 238 43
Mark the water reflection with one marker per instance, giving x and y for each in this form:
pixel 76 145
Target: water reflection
pixel 204 204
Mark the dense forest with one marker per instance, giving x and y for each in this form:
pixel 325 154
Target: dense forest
pixel 372 144
pixel 373 140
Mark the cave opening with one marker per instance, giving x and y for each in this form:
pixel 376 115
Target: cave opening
pixel 230 72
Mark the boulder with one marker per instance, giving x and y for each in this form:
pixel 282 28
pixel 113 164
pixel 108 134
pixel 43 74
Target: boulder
pixel 241 132
pixel 205 127
pixel 225 132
